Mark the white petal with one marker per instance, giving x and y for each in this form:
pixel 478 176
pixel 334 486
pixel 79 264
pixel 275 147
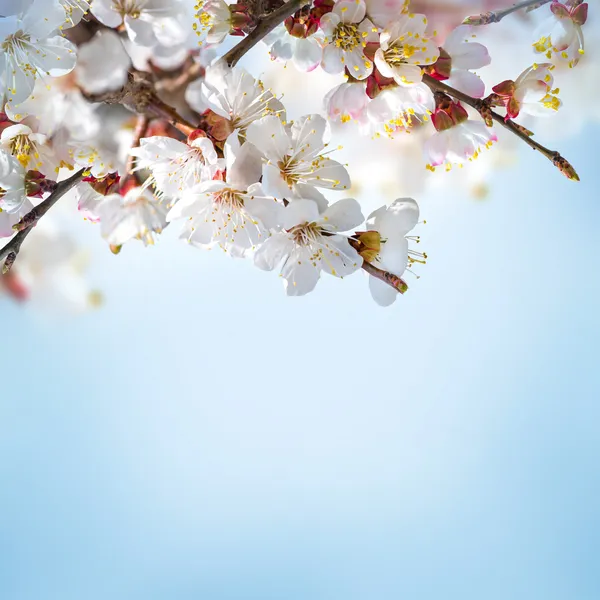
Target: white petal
pixel 381 292
pixel 270 137
pixel 273 251
pixel 300 211
pixel 343 215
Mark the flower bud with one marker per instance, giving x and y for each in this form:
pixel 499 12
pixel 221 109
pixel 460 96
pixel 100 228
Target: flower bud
pixel 36 184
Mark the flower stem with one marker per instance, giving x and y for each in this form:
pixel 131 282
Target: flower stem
pixel 392 280
pixel 497 15
pixel 264 27
pixel 552 155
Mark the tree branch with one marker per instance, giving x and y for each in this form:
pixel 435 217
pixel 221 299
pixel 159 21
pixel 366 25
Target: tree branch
pixel 479 105
pixel 265 26
pixel 497 15
pixel 141 128
pixel 9 253
pixel 139 96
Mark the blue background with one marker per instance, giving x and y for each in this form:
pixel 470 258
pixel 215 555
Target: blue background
pixel 203 436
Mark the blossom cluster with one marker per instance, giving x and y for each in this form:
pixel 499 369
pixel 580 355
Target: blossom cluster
pixel 237 172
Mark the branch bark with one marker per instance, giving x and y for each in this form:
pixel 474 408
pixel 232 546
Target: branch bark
pixel 265 26
pixel 555 157
pixel 9 252
pixel 497 15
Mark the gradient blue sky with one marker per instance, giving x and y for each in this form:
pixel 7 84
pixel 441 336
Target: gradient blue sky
pixel 203 436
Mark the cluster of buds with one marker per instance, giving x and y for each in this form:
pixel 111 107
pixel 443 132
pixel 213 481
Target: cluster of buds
pixel 36 184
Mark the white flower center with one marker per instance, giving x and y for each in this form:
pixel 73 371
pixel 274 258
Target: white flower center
pixel 398 53
pixel 129 8
pixel 23 148
pixel 306 233
pixel 16 42
pixel 346 36
pixel 229 199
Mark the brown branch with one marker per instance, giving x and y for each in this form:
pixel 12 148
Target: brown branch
pixel 480 105
pixel 264 27
pixel 392 280
pixel 141 128
pixel 9 253
pixel 139 96
pixel 497 15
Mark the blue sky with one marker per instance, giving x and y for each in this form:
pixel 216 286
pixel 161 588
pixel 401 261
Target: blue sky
pixel 203 436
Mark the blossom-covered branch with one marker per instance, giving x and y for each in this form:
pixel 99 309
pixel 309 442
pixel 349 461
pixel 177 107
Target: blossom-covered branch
pixel 487 113
pixel 264 27
pixel 239 170
pixel 497 15
pixel 9 252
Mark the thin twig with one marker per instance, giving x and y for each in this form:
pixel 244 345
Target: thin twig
pixel 262 29
pixel 9 253
pixel 392 280
pixel 552 155
pixel 141 128
pixel 497 15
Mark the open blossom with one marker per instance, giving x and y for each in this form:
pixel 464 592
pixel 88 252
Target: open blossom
pixel 234 95
pixel 400 107
pixel 347 102
pixel 309 244
pixel 405 46
pixel 109 74
pixel 137 215
pixel 457 138
pixel 560 33
pixel 147 22
pixel 57 105
pixel 30 48
pixel 459 56
pixel 177 166
pixel 304 52
pixel 385 245
pixel 531 93
pixel 347 33
pixel 29 148
pixel 234 214
pixel 216 21
pixel 295 165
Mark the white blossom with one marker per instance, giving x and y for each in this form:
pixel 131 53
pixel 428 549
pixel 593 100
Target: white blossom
pixel 465 55
pixel 57 104
pixel 147 22
pixel 30 48
pixel 347 102
pixel 389 249
pixel 295 164
pixel 304 53
pixel 106 75
pixel 234 214
pixel 560 33
pixel 177 166
pixel 347 33
pixel 309 244
pixel 137 215
pixel 405 46
pixel 234 95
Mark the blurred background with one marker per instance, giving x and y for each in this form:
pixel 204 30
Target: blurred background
pixel 190 432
